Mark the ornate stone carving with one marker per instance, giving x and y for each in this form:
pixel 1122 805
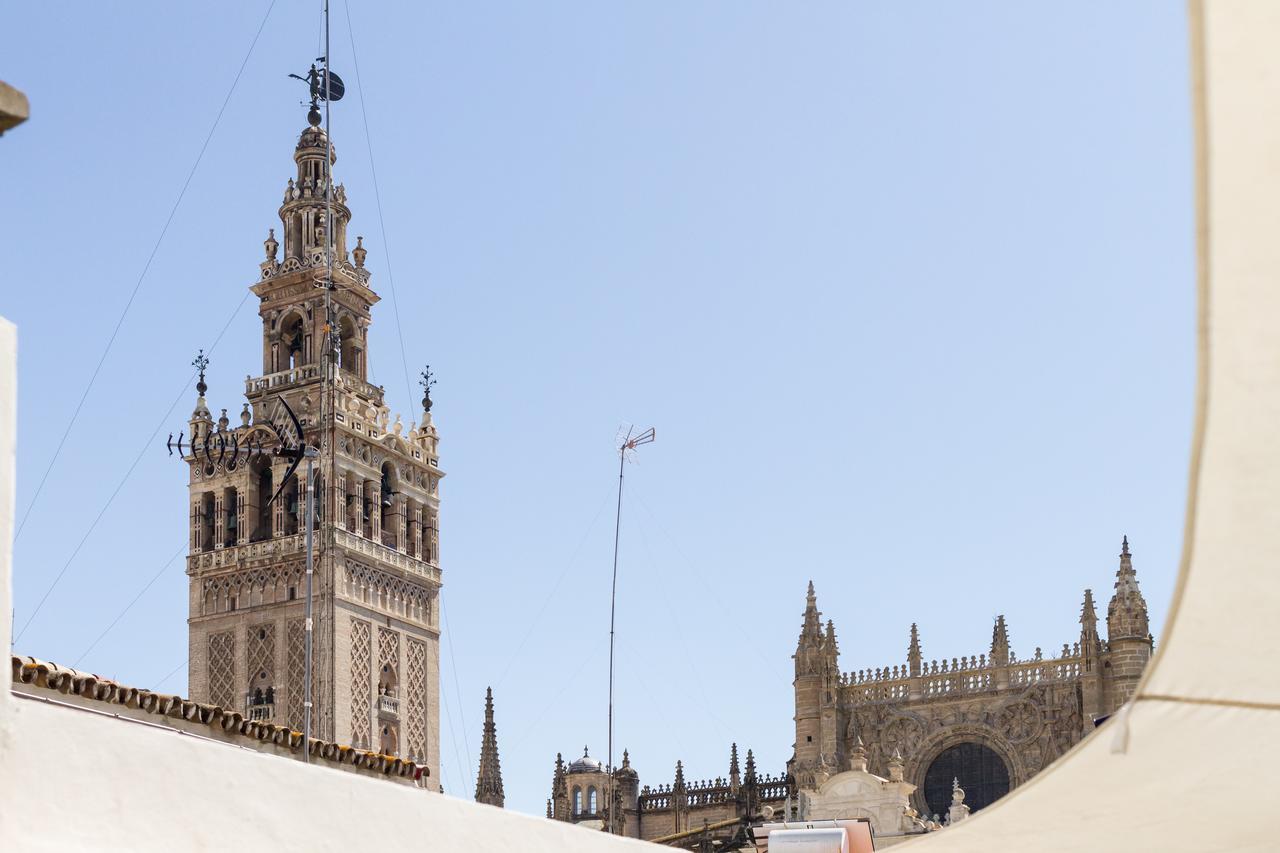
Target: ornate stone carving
pixel 361 691
pixel 222 669
pixel 416 700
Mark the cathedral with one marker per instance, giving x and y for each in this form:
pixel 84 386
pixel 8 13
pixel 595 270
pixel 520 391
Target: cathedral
pixel 989 721
pixel 907 747
pixel 377 578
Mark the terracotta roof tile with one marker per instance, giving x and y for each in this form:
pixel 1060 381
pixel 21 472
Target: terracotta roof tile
pixel 43 675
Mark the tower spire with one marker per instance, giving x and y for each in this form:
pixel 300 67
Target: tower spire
pixel 489 778
pixel 735 775
pixel 1127 611
pixel 1000 643
pixel 913 651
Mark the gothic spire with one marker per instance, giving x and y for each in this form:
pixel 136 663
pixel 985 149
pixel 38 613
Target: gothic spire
pixel 1127 611
pixel 679 783
pixel 735 777
pixel 1000 643
pixel 489 778
pixel 751 777
pixel 913 651
pixel 811 631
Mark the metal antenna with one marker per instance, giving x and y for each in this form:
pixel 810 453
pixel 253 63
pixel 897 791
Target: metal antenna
pixel 626 449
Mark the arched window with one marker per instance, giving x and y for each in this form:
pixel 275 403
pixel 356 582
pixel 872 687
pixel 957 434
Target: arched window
pixel 209 518
pixel 577 800
pixel 259 512
pixel 386 497
pixel 591 800
pixel 292 338
pixel 387 742
pixel 230 504
pixel 349 346
pixel 387 681
pixel 978 769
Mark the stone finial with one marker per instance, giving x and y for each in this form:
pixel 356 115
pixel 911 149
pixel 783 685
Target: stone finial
pixel 679 783
pixel 359 252
pixel 1000 643
pixel 223 421
pixel 735 777
pixel 271 245
pixel 913 651
pixel 858 759
pixel 959 811
pixel 245 415
pixel 1127 611
pixel 548 809
pixel 896 766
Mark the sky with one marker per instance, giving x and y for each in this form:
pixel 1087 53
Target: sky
pixel 906 288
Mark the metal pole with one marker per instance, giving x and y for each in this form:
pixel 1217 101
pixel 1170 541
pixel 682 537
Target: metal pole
pixel 306 665
pixel 613 595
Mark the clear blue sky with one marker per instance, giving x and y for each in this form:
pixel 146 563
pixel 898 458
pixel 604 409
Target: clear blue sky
pixel 906 288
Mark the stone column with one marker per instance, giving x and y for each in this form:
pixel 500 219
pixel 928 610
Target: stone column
pixel 242 528
pixel 340 495
pixel 401 521
pixel 416 530
pixel 219 519
pixel 197 522
pixel 278 508
pixel 372 488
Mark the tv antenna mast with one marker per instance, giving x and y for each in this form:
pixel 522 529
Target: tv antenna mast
pixel 626 450
pixel 324 85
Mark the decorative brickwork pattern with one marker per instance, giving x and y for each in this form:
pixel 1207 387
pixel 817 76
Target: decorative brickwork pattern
pixel 295 663
pixel 361 693
pixel 416 695
pixel 260 642
pixel 389 650
pixel 222 689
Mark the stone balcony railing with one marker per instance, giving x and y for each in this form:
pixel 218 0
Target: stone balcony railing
pixel 261 712
pixel 958 676
pixel 302 373
pixel 296 544
pixel 275 546
pixel 359 544
pixel 388 707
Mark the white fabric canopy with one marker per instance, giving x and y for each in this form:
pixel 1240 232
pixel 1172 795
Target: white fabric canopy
pixel 1194 763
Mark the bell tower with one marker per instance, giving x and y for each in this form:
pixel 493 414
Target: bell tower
pixel 377 578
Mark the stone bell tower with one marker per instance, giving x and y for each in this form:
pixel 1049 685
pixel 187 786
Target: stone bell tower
pixel 377 569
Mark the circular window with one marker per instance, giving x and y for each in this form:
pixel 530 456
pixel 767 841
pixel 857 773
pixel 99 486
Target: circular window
pixel 981 773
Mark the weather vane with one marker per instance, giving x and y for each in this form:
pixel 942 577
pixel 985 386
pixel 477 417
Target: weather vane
pixel 428 379
pixel 324 85
pixel 200 362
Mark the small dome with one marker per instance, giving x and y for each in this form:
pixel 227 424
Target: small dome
pixel 585 764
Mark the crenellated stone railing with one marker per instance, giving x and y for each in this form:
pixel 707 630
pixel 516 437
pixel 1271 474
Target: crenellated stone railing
pixel 710 792
pixel 969 674
pixel 292 376
pixel 235 555
pixel 358 544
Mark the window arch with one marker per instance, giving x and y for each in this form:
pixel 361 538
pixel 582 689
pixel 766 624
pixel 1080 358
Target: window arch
pixel 577 800
pixel 980 771
pixel 591 800
pixel 292 341
pixel 349 349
